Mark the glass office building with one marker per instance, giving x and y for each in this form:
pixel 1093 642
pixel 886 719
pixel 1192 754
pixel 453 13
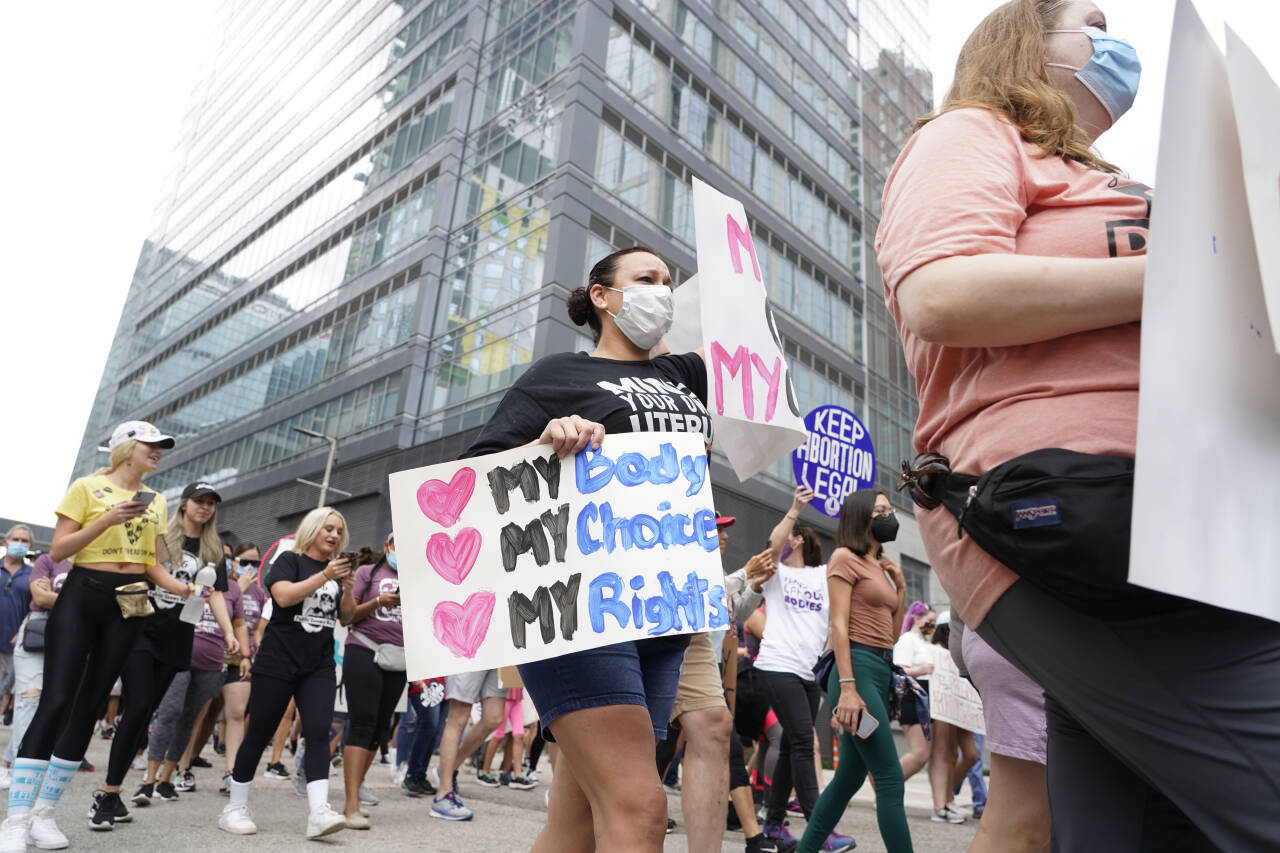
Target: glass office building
pixel 378 208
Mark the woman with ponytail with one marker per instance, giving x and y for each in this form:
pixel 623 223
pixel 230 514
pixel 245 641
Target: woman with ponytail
pixel 112 529
pixel 606 793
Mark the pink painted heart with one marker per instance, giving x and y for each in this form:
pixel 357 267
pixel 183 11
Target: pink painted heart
pixel 462 627
pixel 453 557
pixel 444 502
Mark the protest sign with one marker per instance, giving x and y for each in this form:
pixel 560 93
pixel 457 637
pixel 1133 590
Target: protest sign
pixel 837 459
pixel 1256 100
pixel 685 334
pixel 952 698
pixel 1208 454
pixel 520 556
pixel 752 402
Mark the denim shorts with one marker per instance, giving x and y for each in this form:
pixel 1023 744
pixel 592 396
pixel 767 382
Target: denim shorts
pixel 638 672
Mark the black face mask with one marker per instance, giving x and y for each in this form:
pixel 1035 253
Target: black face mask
pixel 884 528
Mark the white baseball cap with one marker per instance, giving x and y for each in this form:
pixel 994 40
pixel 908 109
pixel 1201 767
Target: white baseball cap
pixel 139 431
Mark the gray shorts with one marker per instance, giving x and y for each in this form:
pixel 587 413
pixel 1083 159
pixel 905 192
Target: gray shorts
pixel 471 687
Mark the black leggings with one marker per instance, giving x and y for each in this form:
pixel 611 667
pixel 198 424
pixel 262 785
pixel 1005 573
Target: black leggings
pixel 87 641
pixel 268 699
pixel 535 747
pixel 795 701
pixel 372 694
pixel 738 776
pixel 144 681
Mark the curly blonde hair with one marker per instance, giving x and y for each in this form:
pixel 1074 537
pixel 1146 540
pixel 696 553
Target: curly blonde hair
pixel 1002 68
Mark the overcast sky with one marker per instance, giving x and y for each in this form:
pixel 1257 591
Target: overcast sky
pixel 95 94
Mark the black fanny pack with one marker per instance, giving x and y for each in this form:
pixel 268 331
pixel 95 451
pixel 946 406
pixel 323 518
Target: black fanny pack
pixel 1060 519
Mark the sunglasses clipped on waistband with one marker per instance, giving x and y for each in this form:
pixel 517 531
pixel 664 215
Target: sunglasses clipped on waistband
pixel 918 478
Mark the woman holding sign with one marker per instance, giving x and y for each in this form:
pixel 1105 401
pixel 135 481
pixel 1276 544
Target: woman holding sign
pixel 295 661
pixel 795 631
pixel 605 706
pixel 1014 261
pixel 865 610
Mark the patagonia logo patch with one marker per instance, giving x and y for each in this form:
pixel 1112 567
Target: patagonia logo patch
pixel 1035 513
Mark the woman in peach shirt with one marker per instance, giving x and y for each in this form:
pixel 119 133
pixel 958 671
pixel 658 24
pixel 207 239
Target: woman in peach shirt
pixel 1013 260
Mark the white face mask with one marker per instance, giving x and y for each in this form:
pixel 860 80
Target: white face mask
pixel 646 314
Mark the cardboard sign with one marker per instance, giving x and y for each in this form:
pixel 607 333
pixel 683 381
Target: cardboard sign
pixel 952 698
pixel 753 405
pixel 1208 455
pixel 837 460
pixel 520 556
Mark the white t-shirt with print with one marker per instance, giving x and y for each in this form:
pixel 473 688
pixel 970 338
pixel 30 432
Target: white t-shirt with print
pixel 795 628
pixel 913 650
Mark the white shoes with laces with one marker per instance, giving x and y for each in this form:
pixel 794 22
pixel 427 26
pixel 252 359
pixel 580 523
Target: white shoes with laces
pixel 13 834
pixel 43 832
pixel 324 821
pixel 236 820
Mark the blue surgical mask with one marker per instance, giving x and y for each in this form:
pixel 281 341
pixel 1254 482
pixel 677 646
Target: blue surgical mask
pixel 391 559
pixel 1111 74
pixel 17 550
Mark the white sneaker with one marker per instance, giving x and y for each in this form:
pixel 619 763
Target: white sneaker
pixel 43 832
pixel 13 834
pixel 236 820
pixel 4 778
pixel 324 821
pixel 398 772
pixel 433 776
pixel 139 763
pixel 367 797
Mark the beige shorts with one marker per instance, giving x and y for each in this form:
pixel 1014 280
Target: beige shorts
pixel 700 683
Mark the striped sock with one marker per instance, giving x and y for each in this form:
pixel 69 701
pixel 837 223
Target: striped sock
pixel 56 779
pixel 24 782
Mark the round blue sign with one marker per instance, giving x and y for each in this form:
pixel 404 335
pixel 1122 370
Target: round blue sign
pixel 837 460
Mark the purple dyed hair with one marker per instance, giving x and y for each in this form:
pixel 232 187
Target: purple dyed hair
pixel 914 612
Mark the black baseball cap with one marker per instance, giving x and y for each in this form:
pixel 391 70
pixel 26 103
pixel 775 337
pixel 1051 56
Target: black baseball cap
pixel 199 490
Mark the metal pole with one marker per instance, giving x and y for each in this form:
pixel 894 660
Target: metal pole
pixel 328 469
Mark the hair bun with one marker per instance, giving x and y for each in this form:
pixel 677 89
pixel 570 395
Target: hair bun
pixel 579 306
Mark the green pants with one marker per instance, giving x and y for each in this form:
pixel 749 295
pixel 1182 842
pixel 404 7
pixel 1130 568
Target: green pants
pixel 876 754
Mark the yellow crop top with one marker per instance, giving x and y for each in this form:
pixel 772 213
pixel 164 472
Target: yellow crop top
pixel 134 541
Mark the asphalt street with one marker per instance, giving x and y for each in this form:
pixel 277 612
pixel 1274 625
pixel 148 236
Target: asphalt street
pixel 506 820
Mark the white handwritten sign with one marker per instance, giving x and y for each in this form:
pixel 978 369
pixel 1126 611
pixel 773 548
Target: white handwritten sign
pixel 753 405
pixel 520 556
pixel 952 698
pixel 1208 456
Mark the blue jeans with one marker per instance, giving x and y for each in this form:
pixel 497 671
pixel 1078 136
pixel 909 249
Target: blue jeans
pixel 419 733
pixel 977 782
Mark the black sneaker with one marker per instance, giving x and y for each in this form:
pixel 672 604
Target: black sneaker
pixel 277 771
pixel 144 794
pixel 671 826
pixel 416 785
pixel 200 761
pixel 762 844
pixel 165 792
pixel 107 811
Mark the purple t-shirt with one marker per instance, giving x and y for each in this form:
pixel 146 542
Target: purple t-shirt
pixel 207 645
pixel 253 598
pixel 383 624
pixel 54 573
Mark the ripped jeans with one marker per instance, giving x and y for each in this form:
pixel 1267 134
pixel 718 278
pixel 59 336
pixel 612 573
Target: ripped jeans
pixel 28 680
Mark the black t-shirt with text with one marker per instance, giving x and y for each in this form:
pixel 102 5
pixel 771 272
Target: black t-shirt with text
pixel 663 394
pixel 164 635
pixel 299 638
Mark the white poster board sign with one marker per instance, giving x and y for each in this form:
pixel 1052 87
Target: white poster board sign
pixel 952 698
pixel 1256 99
pixel 753 405
pixel 1207 482
pixel 520 556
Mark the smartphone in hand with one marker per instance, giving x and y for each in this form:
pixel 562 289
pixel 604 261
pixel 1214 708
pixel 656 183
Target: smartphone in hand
pixel 145 498
pixel 867 724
